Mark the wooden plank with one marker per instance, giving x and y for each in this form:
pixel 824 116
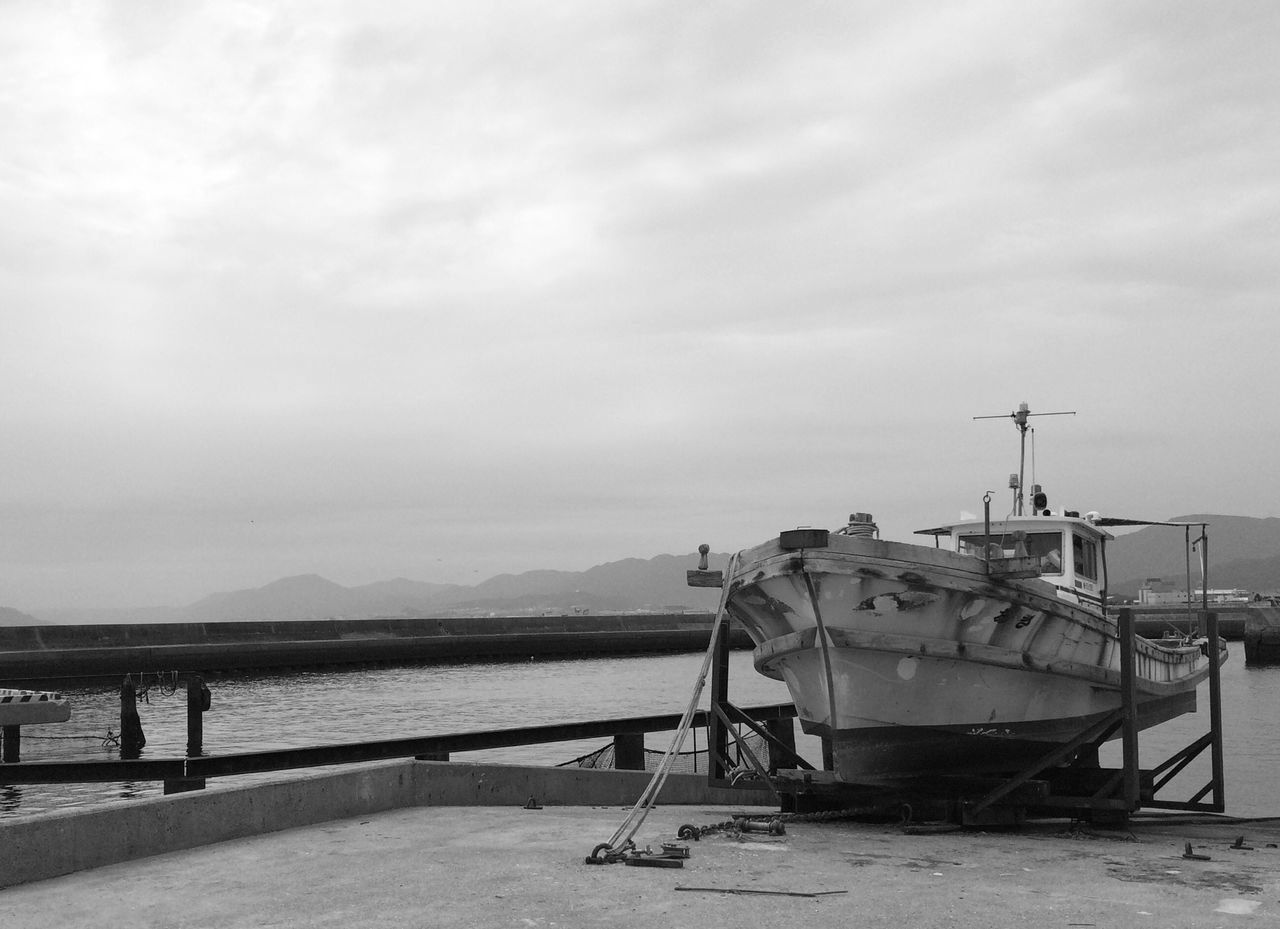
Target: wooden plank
pixel 698 578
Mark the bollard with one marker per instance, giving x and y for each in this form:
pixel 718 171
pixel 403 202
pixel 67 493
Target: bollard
pixel 12 745
pixel 132 739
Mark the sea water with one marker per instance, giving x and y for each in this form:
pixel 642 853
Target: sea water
pixel 256 712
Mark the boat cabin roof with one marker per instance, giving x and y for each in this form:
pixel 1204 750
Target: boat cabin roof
pixel 1049 523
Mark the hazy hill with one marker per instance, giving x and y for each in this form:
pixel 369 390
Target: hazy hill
pixel 1244 551
pixel 631 584
pixel 310 596
pixel 12 617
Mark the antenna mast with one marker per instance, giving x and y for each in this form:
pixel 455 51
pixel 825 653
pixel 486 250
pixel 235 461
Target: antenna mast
pixel 1020 417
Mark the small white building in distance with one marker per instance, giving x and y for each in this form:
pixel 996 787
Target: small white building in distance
pixel 1156 591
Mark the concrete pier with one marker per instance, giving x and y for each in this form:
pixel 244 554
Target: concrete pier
pixel 503 865
pixel 1262 637
pixel 45 845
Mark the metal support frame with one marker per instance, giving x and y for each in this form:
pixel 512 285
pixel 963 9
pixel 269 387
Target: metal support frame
pixel 1123 789
pixel 723 720
pixel 1211 740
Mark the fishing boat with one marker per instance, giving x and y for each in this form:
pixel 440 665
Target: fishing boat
pixel 978 652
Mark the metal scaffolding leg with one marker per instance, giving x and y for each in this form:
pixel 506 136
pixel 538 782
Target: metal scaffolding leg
pixel 1122 790
pixel 725 717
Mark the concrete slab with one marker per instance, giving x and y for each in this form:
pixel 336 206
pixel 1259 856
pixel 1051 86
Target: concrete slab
pixel 49 844
pixel 507 866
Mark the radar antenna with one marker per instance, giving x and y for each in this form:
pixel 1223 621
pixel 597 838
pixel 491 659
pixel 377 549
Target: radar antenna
pixel 1020 417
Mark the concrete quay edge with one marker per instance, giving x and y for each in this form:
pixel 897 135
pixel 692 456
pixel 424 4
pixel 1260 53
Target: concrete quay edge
pixel 46 845
pixel 500 866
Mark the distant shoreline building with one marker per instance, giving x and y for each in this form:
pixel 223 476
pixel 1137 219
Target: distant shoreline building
pixel 1156 591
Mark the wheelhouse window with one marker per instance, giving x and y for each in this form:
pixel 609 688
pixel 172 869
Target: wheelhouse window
pixel 1047 546
pixel 1084 553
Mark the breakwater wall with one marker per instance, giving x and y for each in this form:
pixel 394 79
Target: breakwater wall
pixel 1262 637
pixel 47 654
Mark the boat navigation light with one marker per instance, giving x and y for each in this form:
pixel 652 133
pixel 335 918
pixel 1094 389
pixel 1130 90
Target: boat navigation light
pixel 1013 481
pixel 1021 413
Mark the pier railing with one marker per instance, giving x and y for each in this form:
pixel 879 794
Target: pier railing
pixel 179 774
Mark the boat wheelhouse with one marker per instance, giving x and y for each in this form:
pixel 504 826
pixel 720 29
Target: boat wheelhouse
pixel 1068 550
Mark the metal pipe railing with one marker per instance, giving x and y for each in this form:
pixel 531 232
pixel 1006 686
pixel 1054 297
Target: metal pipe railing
pixel 434 746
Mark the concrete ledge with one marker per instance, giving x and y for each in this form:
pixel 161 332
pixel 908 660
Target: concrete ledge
pixel 444 783
pixel 49 844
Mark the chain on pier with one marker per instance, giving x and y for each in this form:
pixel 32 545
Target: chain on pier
pixel 775 823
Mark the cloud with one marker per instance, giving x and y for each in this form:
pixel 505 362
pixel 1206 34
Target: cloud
pixel 562 284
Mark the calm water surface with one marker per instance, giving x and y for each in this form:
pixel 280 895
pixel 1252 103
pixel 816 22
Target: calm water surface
pixel 257 712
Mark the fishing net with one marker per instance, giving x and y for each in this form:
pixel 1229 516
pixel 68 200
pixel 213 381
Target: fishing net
pixel 695 762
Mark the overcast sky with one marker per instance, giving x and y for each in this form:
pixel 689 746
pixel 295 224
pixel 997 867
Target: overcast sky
pixel 447 290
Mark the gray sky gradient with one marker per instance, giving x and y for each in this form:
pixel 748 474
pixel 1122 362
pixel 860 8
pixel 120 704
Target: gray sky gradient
pixel 449 290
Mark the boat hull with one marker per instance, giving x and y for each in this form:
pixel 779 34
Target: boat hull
pixel 876 755
pixel 915 661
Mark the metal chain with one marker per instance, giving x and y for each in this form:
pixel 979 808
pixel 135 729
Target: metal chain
pixel 775 823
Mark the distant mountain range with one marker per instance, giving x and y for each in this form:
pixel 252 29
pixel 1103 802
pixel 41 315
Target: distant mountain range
pixel 1243 552
pixel 656 584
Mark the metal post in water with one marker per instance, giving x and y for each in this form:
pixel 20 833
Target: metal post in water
pixel 195 715
pixel 132 739
pixel 12 745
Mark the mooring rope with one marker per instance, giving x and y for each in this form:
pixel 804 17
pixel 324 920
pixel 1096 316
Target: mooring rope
pixel 621 839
